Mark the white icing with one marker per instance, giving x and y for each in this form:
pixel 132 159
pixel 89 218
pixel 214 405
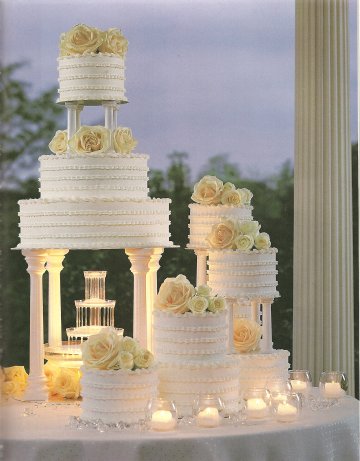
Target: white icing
pixel 91 77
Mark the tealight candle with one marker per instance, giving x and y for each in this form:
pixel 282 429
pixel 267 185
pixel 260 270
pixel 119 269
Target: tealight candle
pixel 333 390
pixel 209 417
pixel 298 386
pixel 256 408
pixel 286 412
pixel 162 420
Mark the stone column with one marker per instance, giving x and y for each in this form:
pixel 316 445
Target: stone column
pixel 201 257
pixel 266 342
pixel 152 288
pixel 139 259
pixel 323 252
pixel 54 267
pixel 36 389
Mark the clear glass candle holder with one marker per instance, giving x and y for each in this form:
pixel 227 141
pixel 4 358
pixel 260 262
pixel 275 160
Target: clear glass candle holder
pixel 301 381
pixel 208 410
pixel 286 407
pixel 161 415
pixel 257 403
pixel 278 385
pixel 333 384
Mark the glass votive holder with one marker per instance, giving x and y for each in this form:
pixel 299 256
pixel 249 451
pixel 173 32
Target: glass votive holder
pixel 333 384
pixel 208 410
pixel 161 415
pixel 301 381
pixel 286 407
pixel 278 386
pixel 257 403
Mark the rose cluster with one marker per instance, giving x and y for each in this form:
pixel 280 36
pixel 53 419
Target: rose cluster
pixel 63 383
pixel 94 139
pixel 82 39
pixel 13 381
pixel 247 335
pixel 178 295
pixel 108 351
pixel 212 191
pixel 238 235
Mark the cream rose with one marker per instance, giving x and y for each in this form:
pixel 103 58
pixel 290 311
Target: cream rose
pixel 114 42
pixel 128 344
pixel 51 371
pixel 231 197
pixel 249 228
pixel 125 361
pixel 222 235
pixel 16 374
pixel 79 40
pixel 247 335
pixel 203 290
pixel 217 304
pixel 262 241
pixel 67 383
pixel 123 139
pixel 208 191
pixel 59 143
pixel 144 359
pixel 244 242
pixel 12 389
pixel 90 139
pixel 101 350
pixel 198 304
pixel 246 196
pixel 174 295
pixel 229 186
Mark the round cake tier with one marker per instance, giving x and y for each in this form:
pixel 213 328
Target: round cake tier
pixel 202 218
pixel 184 382
pixel 117 395
pixel 94 224
pixel 91 78
pixel 256 369
pixel 179 337
pixel 115 176
pixel 243 274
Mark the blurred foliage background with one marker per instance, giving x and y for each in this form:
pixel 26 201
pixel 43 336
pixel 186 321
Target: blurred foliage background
pixel 27 125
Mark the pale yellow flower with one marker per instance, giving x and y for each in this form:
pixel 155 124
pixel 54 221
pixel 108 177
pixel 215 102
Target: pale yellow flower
pixel 174 295
pixel 114 42
pixel 247 335
pixel 79 40
pixel 124 142
pixel 90 139
pixel 208 191
pixel 59 143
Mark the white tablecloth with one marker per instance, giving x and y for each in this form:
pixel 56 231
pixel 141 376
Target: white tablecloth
pixel 324 435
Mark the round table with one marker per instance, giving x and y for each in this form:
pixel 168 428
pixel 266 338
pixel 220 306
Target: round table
pixel 323 435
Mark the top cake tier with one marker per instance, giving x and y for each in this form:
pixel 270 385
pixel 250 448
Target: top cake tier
pixel 91 66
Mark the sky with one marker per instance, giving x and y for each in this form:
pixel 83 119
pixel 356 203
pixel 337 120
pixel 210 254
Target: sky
pixel 205 77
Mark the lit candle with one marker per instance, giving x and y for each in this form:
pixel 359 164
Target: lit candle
pixel 256 408
pixel 162 420
pixel 333 390
pixel 298 386
pixel 208 417
pixel 286 412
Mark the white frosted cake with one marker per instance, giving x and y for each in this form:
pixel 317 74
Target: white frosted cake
pixel 190 343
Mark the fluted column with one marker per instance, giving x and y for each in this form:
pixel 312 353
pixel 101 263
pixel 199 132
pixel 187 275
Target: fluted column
pixel 323 254
pixel 36 389
pixel 266 342
pixel 255 310
pixel 139 259
pixel 152 288
pixel 201 266
pixel 54 267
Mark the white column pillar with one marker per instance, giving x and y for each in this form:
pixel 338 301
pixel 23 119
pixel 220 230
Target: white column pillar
pixel 73 118
pixel 201 267
pixel 152 288
pixel 323 253
pixel 266 341
pixel 139 259
pixel 36 389
pixel 231 305
pixel 79 108
pixel 54 267
pixel 255 310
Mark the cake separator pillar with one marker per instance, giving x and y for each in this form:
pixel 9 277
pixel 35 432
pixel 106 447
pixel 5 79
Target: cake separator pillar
pixel 201 266
pixel 36 388
pixel 54 267
pixel 151 291
pixel 255 310
pixel 266 342
pixel 73 117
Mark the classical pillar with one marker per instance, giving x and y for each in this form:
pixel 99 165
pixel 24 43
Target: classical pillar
pixel 36 389
pixel 266 342
pixel 152 288
pixel 140 259
pixel 73 117
pixel 232 304
pixel 201 266
pixel 255 310
pixel 323 252
pixel 54 267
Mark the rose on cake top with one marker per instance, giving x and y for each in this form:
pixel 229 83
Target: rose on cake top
pixel 178 295
pixel 234 234
pixel 93 139
pixel 108 351
pixel 212 191
pixel 247 335
pixel 82 39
